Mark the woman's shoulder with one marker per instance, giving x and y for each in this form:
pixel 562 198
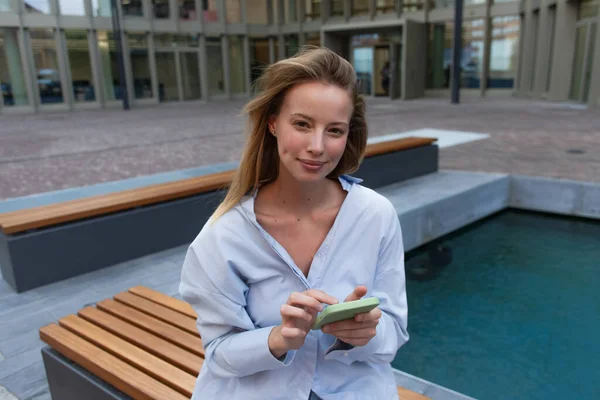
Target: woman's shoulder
pixel 373 202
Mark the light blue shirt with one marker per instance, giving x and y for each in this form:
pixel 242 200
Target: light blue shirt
pixel 236 277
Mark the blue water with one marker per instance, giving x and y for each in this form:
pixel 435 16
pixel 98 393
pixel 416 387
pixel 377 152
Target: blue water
pixel 516 315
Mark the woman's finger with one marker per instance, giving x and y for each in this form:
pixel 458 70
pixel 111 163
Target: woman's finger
pixel 303 300
pixel 295 312
pixel 365 333
pixel 348 325
pixel 372 315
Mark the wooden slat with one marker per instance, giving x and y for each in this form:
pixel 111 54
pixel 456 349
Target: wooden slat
pixel 406 394
pixel 159 328
pixel 159 369
pixel 161 348
pixel 165 300
pixel 39 217
pixel 107 367
pixel 160 312
pixel 397 145
pixel 53 214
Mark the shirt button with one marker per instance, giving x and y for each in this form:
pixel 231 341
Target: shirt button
pixel 346 354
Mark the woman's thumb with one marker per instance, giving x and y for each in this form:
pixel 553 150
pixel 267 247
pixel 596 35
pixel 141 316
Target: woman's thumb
pixel 357 293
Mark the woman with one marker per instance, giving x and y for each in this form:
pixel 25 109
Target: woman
pixel 294 233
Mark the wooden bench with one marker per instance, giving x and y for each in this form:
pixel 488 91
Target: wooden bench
pixel 79 236
pixel 141 344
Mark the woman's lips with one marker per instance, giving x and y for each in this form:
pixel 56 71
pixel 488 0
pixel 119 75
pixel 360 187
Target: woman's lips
pixel 311 165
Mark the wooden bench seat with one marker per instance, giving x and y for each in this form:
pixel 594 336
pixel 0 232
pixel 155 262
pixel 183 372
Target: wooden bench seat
pixel 139 342
pixel 79 236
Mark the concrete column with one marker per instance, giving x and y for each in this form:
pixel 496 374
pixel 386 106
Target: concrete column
pixel 594 94
pixel 96 67
pixel 347 9
pixel 15 69
pixel 154 73
pixel 281 47
pixel 414 60
pixel 542 53
pixel 247 69
pixel 64 71
pixel 487 48
pixel 272 50
pixel 244 12
pixel 226 64
pixel 528 50
pixel 203 68
pixel 564 50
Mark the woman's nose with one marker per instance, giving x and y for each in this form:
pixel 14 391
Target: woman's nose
pixel 316 143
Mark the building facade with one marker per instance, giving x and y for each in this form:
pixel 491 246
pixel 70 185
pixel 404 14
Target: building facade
pixel 62 54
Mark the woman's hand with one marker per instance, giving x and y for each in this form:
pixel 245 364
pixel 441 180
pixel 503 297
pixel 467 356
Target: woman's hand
pixel 359 330
pixel 297 315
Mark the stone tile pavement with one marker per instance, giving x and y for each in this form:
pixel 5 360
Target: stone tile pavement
pixel 45 152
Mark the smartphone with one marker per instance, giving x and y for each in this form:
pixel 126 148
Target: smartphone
pixel 342 311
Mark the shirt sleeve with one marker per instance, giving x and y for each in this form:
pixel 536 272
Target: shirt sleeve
pixel 233 345
pixel 390 287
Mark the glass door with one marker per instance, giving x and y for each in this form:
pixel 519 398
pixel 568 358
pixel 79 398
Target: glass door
pixel 582 61
pixel 362 60
pixel 190 75
pixel 166 71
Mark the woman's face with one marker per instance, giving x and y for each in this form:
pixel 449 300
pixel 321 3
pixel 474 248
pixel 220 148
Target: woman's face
pixel 312 130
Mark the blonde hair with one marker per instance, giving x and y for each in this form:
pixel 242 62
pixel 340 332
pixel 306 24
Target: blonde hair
pixel 259 163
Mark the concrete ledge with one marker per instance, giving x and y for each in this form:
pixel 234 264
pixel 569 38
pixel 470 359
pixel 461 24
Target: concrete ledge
pixel 559 196
pixel 436 204
pixel 426 388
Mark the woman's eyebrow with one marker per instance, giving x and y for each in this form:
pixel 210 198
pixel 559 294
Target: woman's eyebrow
pixel 313 120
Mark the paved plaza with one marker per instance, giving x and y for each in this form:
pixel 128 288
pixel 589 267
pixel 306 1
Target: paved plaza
pixel 46 152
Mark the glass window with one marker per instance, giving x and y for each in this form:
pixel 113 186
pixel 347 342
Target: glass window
pixel 132 8
pixel 140 65
pixel 37 6
pixel 472 53
pixel 166 71
pixel 412 5
pixel 45 60
pixel 209 10
pixel 110 66
pixel 101 8
pixel 443 3
pixel 337 8
pixel 71 7
pixel 256 12
pixel 161 9
pixel 589 9
pixel 12 78
pixel 385 6
pixel 474 2
pixel 312 9
pixel 5 5
pixel 237 75
pixel 439 55
pixel 292 45
pixel 174 40
pixel 234 11
pixel 187 10
pixel 504 51
pixel 214 65
pixel 313 39
pixel 360 7
pixel 190 73
pixel 290 10
pixel 259 57
pixel 81 67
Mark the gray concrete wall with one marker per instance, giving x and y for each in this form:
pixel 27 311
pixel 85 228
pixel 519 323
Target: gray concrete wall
pixel 414 60
pixel 594 96
pixel 564 50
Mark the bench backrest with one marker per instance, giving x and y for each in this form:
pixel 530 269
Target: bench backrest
pixel 55 214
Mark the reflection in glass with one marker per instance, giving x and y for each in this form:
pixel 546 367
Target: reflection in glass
pixel 45 59
pixel 110 66
pixel 140 65
pixel 209 10
pixel 363 65
pixel 292 45
pixel 259 57
pixel 132 8
pixel 444 3
pixel 312 9
pixel 190 74
pixel 412 5
pixel 101 8
pixel 360 7
pixel 385 6
pixel 290 11
pixel 5 5
pixel 12 79
pixel 474 2
pixel 313 39
pixel 439 55
pixel 175 40
pixel 80 64
pixel 504 51
pixel 234 11
pixel 472 53
pixel 71 7
pixel 589 9
pixel 256 12
pixel 337 8
pixel 37 6
pixel 166 71
pixel 161 9
pixel 237 76
pixel 187 10
pixel 214 63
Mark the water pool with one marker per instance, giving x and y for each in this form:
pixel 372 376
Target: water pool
pixel 515 315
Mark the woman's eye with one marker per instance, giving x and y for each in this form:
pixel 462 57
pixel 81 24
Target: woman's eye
pixel 337 131
pixel 301 124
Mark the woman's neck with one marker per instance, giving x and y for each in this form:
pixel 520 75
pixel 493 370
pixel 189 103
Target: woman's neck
pixel 301 197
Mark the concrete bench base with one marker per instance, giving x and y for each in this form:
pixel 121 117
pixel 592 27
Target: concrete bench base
pixel 40 257
pixel 69 381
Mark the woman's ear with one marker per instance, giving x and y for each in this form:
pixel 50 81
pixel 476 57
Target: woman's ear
pixel 272 125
